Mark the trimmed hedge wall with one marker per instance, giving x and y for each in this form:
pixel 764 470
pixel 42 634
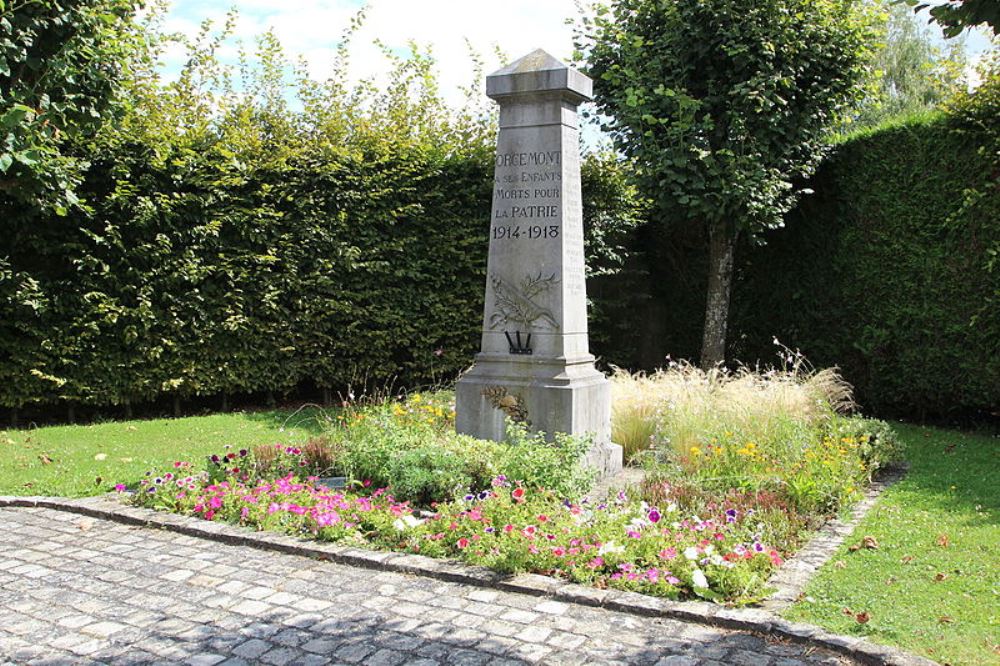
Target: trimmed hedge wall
pixel 890 270
pixel 195 276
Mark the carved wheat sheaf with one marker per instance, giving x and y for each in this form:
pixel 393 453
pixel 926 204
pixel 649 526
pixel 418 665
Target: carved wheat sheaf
pixel 520 304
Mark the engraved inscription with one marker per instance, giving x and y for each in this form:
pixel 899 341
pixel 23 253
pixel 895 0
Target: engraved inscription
pixel 528 188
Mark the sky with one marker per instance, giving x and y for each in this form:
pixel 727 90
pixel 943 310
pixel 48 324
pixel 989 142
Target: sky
pixel 313 28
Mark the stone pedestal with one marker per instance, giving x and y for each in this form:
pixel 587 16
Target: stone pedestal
pixel 535 364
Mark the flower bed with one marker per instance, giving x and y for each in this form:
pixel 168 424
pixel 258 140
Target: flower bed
pixel 624 543
pixel 713 519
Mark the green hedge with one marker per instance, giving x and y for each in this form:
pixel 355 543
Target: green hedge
pixel 890 271
pixel 195 277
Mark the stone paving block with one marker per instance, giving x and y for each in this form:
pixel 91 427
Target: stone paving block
pixel 521 616
pixel 253 648
pixel 281 656
pixel 174 599
pixel 353 654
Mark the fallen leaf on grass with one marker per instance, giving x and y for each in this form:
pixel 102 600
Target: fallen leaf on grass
pixel 131 428
pixel 940 577
pixel 862 617
pixel 101 456
pixel 98 481
pixel 949 448
pixel 127 460
pixel 46 460
pixel 946 619
pixel 942 540
pixel 8 440
pixel 906 559
pixel 868 542
pixel 839 564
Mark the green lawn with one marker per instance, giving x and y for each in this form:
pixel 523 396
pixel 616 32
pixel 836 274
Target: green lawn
pixel 933 584
pixel 81 460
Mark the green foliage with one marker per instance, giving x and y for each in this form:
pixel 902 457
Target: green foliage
pixel 957 15
pixel 62 66
pixel 235 245
pixel 723 104
pixel 553 465
pixel 910 72
pixel 890 271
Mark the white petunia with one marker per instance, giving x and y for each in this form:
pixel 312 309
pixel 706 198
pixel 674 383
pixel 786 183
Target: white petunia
pixel 691 553
pixel 610 547
pixel 698 579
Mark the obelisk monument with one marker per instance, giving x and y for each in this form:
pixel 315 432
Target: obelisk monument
pixel 535 365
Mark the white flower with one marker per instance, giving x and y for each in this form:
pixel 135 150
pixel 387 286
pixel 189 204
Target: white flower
pixel 698 579
pixel 709 549
pixel 406 522
pixel 691 553
pixel 610 547
pixel 638 523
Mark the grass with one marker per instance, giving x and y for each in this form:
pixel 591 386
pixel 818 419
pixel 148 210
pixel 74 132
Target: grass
pixel 76 461
pixel 681 405
pixel 933 584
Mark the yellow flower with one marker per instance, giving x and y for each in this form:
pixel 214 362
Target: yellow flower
pixel 695 451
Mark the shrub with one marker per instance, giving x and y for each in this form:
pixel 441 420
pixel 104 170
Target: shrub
pixel 780 430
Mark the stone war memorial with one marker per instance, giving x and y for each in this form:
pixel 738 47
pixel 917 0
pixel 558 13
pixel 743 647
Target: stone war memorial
pixel 535 365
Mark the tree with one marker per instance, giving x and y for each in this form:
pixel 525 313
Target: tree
pixel 955 16
pixel 61 63
pixel 724 105
pixel 910 72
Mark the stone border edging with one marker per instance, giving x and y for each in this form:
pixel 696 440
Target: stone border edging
pixel 752 620
pixel 791 577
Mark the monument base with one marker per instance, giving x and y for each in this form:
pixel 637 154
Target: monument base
pixel 552 395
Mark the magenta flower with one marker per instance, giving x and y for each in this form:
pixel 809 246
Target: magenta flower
pixel 653 515
pixel 120 487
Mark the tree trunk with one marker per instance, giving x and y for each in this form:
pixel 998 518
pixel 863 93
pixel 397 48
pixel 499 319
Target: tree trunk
pixel 225 402
pixel 71 414
pixel 128 409
pixel 722 247
pixel 14 414
pixel 177 406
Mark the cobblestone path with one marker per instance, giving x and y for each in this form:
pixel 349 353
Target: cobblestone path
pixel 76 590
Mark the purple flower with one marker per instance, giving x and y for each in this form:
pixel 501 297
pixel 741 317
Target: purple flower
pixel 244 453
pixel 469 497
pixel 653 515
pixel 483 495
pixel 731 515
pixel 215 459
pixel 490 530
pixel 120 487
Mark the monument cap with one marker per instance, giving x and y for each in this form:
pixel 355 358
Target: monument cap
pixel 539 72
